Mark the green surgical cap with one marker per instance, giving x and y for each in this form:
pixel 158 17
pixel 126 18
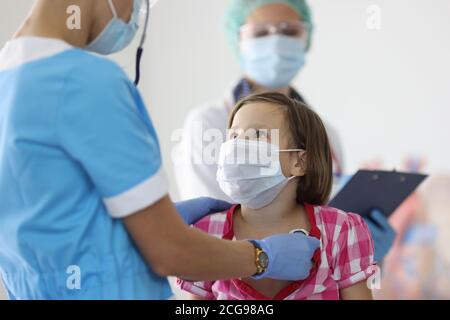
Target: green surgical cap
pixel 239 10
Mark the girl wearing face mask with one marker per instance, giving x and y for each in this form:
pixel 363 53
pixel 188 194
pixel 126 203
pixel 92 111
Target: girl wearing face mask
pixel 277 165
pixel 84 205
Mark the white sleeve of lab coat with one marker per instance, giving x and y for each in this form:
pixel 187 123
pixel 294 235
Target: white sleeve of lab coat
pixel 203 133
pixel 336 146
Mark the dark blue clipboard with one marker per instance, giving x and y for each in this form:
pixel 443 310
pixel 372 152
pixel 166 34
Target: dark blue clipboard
pixel 383 190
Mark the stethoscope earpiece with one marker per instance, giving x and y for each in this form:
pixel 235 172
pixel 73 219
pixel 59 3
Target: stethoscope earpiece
pixel 306 233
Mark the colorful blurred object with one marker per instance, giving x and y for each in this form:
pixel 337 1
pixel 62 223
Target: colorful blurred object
pixel 418 266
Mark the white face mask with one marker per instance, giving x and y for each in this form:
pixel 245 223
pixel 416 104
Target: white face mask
pixel 250 172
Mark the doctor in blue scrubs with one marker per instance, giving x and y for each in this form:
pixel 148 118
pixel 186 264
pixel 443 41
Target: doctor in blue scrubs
pixel 84 207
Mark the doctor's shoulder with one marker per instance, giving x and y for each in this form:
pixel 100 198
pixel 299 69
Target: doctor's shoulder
pixel 93 70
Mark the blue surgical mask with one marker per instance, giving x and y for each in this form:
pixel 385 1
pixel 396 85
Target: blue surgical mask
pixel 272 61
pixel 117 34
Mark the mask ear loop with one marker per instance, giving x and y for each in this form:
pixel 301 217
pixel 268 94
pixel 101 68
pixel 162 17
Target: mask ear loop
pixel 293 150
pixel 140 50
pixel 113 8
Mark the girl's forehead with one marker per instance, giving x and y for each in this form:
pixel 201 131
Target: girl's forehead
pixel 262 113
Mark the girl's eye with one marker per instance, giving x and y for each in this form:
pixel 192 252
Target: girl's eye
pixel 290 32
pixel 260 33
pixel 233 136
pixel 261 134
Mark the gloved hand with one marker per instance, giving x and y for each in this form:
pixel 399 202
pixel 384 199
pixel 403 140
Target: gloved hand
pixel 193 210
pixel 290 256
pixel 382 233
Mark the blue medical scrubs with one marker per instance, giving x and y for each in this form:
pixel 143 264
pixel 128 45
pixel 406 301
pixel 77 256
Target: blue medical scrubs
pixel 78 152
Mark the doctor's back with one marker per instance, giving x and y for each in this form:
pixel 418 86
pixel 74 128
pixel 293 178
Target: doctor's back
pixel 62 163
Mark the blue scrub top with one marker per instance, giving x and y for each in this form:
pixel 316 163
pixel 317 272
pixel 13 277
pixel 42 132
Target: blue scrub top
pixel 78 152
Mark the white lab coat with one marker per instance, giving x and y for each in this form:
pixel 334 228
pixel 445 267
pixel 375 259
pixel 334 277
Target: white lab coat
pixel 197 178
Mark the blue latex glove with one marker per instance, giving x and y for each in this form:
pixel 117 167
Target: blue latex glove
pixel 382 233
pixel 193 210
pixel 290 256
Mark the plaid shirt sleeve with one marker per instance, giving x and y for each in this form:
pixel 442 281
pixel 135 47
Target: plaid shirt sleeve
pixel 353 251
pixel 200 289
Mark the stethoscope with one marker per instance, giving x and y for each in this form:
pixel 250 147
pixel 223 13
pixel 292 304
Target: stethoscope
pixel 140 49
pixel 306 233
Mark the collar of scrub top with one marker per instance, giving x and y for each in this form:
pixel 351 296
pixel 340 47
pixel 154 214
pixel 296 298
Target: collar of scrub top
pixel 244 89
pixel 140 50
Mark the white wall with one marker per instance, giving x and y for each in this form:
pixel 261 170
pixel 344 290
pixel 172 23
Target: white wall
pixel 386 91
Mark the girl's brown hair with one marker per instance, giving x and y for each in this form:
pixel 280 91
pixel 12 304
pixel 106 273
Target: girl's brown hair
pixel 308 133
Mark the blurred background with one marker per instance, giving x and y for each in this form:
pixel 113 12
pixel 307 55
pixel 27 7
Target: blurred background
pixel 384 88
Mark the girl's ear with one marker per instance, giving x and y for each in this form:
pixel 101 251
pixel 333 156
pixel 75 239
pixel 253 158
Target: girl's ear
pixel 299 164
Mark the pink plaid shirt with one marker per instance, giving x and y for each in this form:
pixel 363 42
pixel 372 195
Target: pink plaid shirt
pixel 345 257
